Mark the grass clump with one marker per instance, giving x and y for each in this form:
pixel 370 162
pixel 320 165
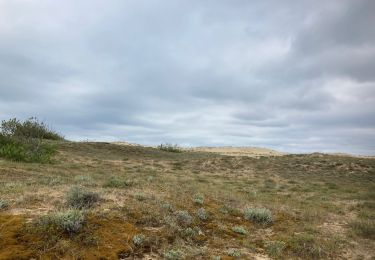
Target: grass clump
pixel 233 252
pixel 174 254
pixel 115 182
pixel 304 245
pixel 184 218
pixel 202 214
pixel 69 222
pixel 173 148
pixel 259 215
pixel 139 239
pixel 78 198
pixel 364 228
pixel 3 204
pixel 198 199
pixel 275 248
pixel 239 230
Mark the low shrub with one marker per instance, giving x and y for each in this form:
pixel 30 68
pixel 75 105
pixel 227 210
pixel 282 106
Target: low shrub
pixel 239 230
pixel 139 239
pixel 260 215
pixel 140 196
pixel 191 232
pixel 81 199
pixel 202 214
pixel 173 148
pixel 167 207
pixel 275 248
pixel 115 182
pixel 33 150
pixel 364 228
pixel 184 218
pixel 3 204
pixel 23 141
pixel 174 254
pixel 69 222
pixel 304 245
pixel 233 252
pixel 31 128
pixel 198 199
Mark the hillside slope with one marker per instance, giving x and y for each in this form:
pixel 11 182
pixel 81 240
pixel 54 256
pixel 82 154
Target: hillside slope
pixel 151 204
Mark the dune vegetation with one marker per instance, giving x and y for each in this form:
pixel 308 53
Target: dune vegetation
pixel 96 200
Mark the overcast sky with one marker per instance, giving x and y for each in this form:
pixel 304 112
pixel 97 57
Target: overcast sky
pixel 296 76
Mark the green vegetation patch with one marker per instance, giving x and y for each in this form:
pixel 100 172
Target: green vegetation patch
pixel 69 222
pixel 259 215
pixel 173 148
pixel 23 141
pixel 79 198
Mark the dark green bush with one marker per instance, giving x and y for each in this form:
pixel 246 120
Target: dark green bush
pixel 173 148
pixel 23 150
pixel 23 141
pixel 30 128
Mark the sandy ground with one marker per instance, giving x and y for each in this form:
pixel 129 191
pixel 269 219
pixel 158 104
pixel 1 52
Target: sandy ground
pixel 226 150
pixel 239 151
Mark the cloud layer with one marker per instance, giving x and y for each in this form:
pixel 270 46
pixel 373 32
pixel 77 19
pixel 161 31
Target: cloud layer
pixel 297 76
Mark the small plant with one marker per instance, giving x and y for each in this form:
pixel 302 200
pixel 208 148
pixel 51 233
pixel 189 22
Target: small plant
pixel 115 182
pixel 260 215
pixel 140 196
pixel 83 179
pixel 305 245
pixel 275 248
pixel 239 230
pixel 3 204
pixel 202 214
pixel 233 252
pixel 216 257
pixel 70 222
pixel 81 199
pixel 139 239
pixel 198 199
pixel 364 228
pixel 166 206
pixel 173 148
pixel 183 218
pixel 174 254
pixel 189 232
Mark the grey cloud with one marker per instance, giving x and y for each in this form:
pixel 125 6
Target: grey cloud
pixel 290 75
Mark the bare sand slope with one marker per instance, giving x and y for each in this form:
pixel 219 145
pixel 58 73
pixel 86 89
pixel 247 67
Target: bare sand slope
pixel 239 151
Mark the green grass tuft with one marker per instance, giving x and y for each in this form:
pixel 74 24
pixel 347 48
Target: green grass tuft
pixel 78 198
pixel 259 215
pixel 70 222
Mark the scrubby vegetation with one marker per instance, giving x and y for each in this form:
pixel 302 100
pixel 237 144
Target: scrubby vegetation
pixel 24 141
pixel 3 204
pixel 101 200
pixel 260 215
pixel 240 230
pixel 79 198
pixel 173 148
pixel 31 128
pixel 69 221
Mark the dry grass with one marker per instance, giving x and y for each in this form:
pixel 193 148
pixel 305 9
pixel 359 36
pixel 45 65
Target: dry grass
pixel 190 204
